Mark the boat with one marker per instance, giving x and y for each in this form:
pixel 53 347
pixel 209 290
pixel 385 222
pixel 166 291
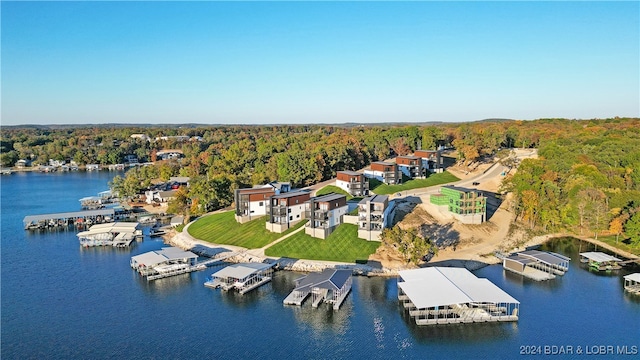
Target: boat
pixel 157 232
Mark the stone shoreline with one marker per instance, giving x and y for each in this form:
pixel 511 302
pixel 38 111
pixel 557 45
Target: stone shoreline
pixel 184 241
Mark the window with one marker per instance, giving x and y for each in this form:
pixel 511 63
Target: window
pixel 261 203
pixel 289 210
pixel 298 216
pixel 290 218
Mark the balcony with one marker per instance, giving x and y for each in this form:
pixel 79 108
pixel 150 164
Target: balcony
pixel 277 210
pixel 318 214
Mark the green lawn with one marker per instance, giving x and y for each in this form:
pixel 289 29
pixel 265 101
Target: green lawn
pixel 333 189
pixel 342 245
pixel 222 228
pixel 611 240
pixel 433 179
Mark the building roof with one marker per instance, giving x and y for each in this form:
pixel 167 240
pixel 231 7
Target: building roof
pixel 256 190
pixel 328 197
pixel 157 257
pixel 633 277
pixel 410 157
pixel 290 194
pixel 454 286
pixel 599 256
pixel 333 279
pixel 350 173
pixel 383 163
pixel 545 257
pixel 241 271
pixel 375 199
pixel 35 218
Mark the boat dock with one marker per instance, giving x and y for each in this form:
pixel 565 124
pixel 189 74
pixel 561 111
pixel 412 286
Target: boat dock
pixel 242 277
pixel 171 261
pixel 44 221
pixel 600 261
pixel 438 295
pixel 331 286
pixel 536 265
pixel 117 234
pixel 632 283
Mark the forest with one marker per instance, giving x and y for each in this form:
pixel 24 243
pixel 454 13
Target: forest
pixel 586 179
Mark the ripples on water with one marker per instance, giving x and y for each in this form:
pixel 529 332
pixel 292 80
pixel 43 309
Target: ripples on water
pixel 62 301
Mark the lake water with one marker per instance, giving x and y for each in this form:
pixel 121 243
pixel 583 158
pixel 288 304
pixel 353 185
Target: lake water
pixel 61 301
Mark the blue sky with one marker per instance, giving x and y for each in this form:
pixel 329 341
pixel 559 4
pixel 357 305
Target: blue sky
pixel 317 62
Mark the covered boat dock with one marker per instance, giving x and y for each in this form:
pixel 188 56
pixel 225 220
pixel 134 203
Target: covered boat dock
pixel 119 234
pixel 43 221
pixel 632 283
pixel 537 265
pixel 330 285
pixel 243 277
pixel 168 261
pixel 600 261
pixel 439 295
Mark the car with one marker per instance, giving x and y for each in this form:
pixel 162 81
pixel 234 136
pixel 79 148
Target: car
pixel 475 183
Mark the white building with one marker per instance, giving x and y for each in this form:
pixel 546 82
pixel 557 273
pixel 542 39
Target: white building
pixel 325 214
pixel 285 210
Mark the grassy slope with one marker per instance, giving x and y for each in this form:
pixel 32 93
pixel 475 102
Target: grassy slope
pixel 611 240
pixel 433 179
pixel 333 189
pixel 222 228
pixel 342 245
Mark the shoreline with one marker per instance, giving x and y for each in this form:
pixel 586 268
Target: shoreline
pixel 185 241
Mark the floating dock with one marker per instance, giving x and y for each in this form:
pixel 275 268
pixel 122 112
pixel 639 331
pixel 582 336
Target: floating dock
pixel 600 261
pixel 242 277
pixel 331 286
pixel 632 283
pixel 537 265
pixel 35 222
pixel 438 295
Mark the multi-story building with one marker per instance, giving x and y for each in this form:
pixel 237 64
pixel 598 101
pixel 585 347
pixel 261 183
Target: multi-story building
pixel 411 166
pixel 469 206
pixel 286 210
pixel 431 160
pixel 324 214
pixel 373 216
pixel 251 203
pixel 383 171
pixel 355 183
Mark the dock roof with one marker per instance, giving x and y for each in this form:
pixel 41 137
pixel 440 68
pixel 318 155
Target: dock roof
pixel 241 271
pixel 454 286
pixel 66 215
pixel 633 277
pixel 115 227
pixel 157 257
pixel 599 256
pixel 545 257
pixel 333 279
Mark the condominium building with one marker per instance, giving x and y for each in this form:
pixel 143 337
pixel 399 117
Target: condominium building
pixel 324 214
pixel 431 160
pixel 383 171
pixel 469 206
pixel 411 166
pixel 251 203
pixel 286 210
pixel 373 216
pixel 355 183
